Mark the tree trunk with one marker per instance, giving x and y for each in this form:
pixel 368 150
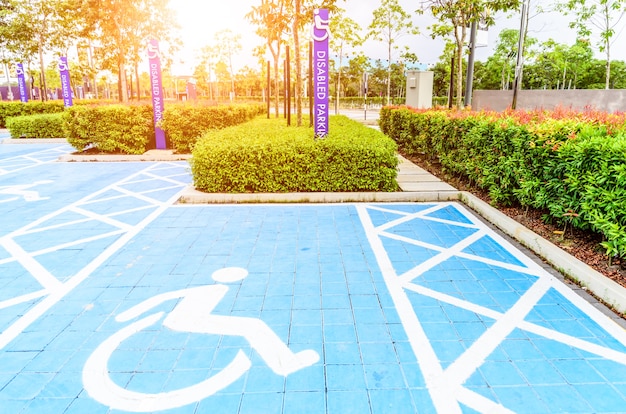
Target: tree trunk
pixel 44 92
pixel 389 74
pixel 460 39
pixel 137 82
pixel 298 61
pixel 459 76
pixel 338 87
pixel 122 81
pixel 607 82
pixel 276 86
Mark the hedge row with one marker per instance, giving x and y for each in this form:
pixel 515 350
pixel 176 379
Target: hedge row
pixel 129 128
pixel 36 126
pixel 17 108
pixel 265 155
pixel 183 124
pixel 112 128
pixel 570 165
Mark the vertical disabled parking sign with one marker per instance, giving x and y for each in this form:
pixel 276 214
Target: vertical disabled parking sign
pixel 64 71
pixel 320 35
pixel 21 82
pixel 156 86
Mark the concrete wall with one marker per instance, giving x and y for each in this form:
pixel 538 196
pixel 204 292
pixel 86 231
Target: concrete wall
pixel 612 100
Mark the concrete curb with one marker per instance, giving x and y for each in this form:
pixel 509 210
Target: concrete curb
pixel 601 286
pixel 34 141
pixel 152 155
pixel 193 196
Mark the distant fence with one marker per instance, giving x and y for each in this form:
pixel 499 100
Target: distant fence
pixel 609 100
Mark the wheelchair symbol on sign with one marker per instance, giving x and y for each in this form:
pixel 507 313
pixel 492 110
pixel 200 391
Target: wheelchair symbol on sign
pixel 192 314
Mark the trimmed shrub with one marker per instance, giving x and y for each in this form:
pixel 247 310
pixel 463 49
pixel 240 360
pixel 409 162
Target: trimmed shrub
pixel 268 156
pixel 111 128
pixel 570 165
pixel 10 109
pixel 36 126
pixel 185 123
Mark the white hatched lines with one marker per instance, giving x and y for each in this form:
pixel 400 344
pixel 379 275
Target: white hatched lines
pixel 33 159
pixel 99 215
pixel 446 385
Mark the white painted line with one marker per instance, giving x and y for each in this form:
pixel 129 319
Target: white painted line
pixel 460 370
pixel 23 299
pixel 441 257
pixel 102 218
pixel 424 352
pixel 480 403
pixel 58 247
pixel 43 276
pixel 58 293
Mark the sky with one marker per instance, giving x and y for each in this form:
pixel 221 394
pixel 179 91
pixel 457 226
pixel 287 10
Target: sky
pixel 201 19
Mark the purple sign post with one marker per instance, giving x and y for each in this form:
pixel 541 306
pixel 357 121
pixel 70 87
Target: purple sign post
pixel 320 36
pixel 156 83
pixel 21 82
pixel 64 71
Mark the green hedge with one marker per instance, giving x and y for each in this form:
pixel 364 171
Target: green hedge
pixel 185 123
pixel 36 126
pixel 111 128
pixel 268 156
pixel 570 165
pixel 11 109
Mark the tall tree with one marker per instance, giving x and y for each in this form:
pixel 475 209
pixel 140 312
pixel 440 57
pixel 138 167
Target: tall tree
pixel 272 21
pixel 455 17
pixel 389 23
pixel 37 27
pixel 599 17
pixel 228 44
pixel 123 28
pixel 346 37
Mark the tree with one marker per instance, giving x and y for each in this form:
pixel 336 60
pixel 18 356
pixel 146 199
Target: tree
pixel 123 28
pixel 596 17
pixel 456 16
pixel 345 37
pixel 228 44
pixel 272 23
pixel 32 28
pixel 389 23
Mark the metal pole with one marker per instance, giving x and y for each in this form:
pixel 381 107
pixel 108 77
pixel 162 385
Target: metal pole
pixel 469 80
pixel 520 54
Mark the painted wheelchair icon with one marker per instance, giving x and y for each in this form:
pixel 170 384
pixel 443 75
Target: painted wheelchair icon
pixel 191 315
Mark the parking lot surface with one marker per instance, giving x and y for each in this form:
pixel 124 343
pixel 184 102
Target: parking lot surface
pixel 114 298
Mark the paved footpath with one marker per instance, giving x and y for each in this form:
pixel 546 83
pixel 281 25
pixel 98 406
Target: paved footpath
pixel 113 298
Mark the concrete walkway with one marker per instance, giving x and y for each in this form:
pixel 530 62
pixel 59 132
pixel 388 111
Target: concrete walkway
pixel 116 297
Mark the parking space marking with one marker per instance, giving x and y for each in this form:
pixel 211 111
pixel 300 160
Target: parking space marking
pixel 32 159
pixel 448 385
pixel 165 181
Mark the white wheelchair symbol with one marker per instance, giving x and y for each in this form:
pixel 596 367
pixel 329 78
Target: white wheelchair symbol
pixel 191 314
pixel 23 192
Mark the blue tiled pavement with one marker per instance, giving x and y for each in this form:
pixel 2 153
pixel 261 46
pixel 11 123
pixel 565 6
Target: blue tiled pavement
pixel 115 299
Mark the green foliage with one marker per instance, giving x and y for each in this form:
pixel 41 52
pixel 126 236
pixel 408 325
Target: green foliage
pixel 9 109
pixel 110 129
pixel 36 126
pixel 184 124
pixel 570 165
pixel 267 156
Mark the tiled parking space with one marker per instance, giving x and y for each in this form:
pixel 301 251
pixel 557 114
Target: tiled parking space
pixel 115 299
